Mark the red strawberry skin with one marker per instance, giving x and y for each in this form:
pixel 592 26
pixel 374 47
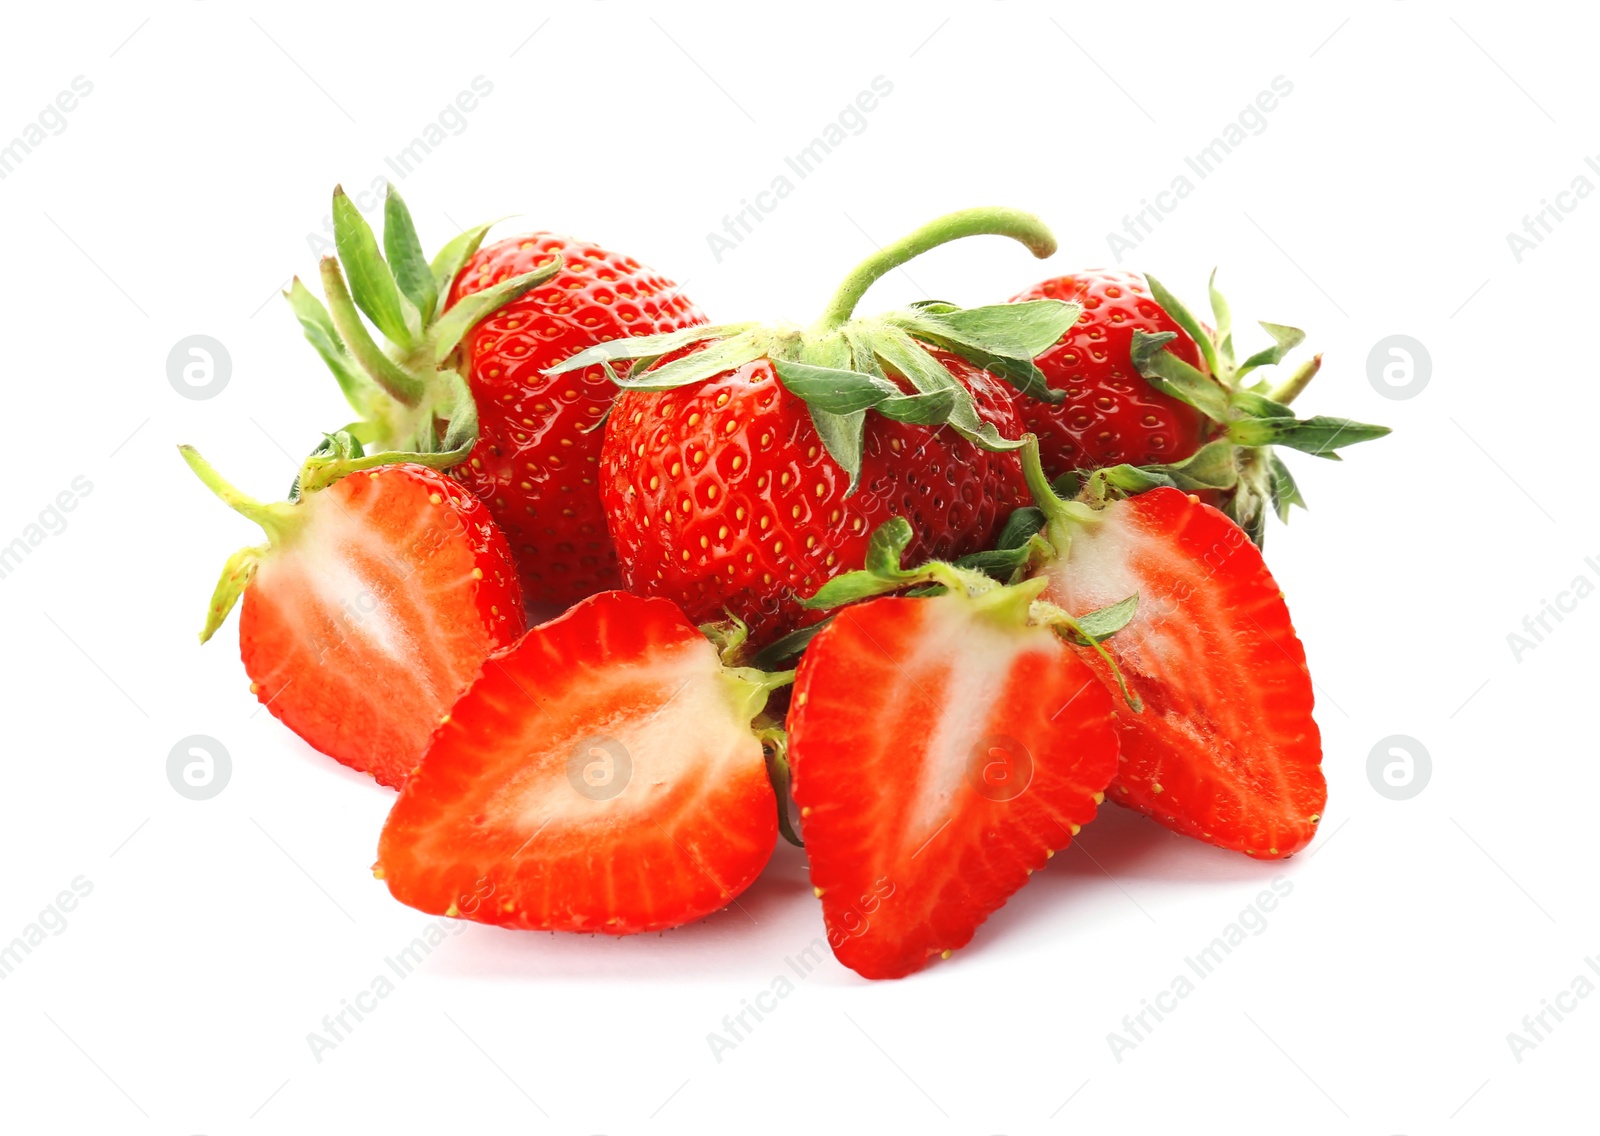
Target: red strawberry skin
pixel 721 496
pixel 1226 749
pixel 1110 414
pixel 537 458
pixel 601 776
pixel 939 758
pixel 360 632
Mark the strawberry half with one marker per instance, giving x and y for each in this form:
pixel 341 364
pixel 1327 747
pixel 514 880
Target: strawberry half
pixel 942 749
pixel 1225 748
pixel 371 607
pixel 602 775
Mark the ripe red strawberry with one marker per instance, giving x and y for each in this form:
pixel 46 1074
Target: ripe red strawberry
pixel 370 608
pixel 1147 385
pixel 753 518
pixel 601 775
pixel 1225 748
pixel 942 749
pixel 462 379
pixel 1111 414
pixel 742 475
pixel 536 463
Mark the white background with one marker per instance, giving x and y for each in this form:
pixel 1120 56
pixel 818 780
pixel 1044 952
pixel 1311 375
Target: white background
pixel 1376 201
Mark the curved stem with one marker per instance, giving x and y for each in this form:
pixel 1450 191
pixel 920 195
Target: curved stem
pixel 277 520
pixel 983 221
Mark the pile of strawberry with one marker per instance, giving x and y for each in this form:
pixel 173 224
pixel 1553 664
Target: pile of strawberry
pixel 816 581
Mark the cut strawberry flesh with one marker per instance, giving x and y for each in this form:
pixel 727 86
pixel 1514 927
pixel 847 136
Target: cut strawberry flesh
pixel 940 756
pixel 602 776
pixel 1226 749
pixel 363 628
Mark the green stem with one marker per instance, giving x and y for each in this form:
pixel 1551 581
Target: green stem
pixel 984 221
pixel 278 521
pixel 1060 516
pixel 1290 388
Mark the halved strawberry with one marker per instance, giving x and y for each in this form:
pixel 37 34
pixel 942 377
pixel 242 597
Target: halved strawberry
pixel 602 775
pixel 942 748
pixel 370 608
pixel 1225 749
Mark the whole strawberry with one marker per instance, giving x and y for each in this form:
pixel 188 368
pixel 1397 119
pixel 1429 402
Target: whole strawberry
pixel 462 379
pixel 1158 398
pixel 740 477
pixel 755 517
pixel 1111 414
pixel 537 457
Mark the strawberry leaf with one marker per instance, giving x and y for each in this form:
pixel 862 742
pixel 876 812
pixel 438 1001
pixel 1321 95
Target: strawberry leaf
pixel 449 260
pixel 1320 435
pixel 1224 317
pixel 886 549
pixel 1284 340
pixel 400 385
pixel 648 346
pixel 841 436
pixel 1285 491
pixel 357 388
pixel 371 283
pixel 832 389
pixel 467 312
pixel 406 259
pixel 1098 626
pixel 722 355
pixel 919 409
pixel 1171 375
pixel 1184 318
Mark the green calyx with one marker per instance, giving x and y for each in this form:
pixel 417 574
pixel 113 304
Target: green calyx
pixel 1015 603
pixel 842 367
pixel 278 520
pixel 1248 419
pixel 338 455
pixel 394 353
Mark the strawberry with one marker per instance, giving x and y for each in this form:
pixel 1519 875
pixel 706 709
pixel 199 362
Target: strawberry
pixel 1225 748
pixel 378 595
pixel 742 468
pixel 942 749
pixel 1157 397
pixel 1111 414
pixel 771 514
pixel 602 775
pixel 538 448
pixel 463 380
